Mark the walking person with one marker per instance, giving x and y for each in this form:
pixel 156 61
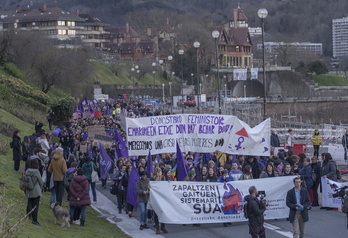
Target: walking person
pixel 79 195
pixel 142 186
pixel 289 140
pixel 316 168
pixel 345 144
pixel 297 199
pixel 88 168
pixel 16 149
pixel 34 194
pixel 58 167
pixel 255 210
pixel 316 140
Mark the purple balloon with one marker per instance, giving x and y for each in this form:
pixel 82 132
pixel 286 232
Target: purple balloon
pixel 56 131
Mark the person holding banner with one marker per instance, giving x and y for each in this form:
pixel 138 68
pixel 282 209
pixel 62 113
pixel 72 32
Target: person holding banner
pixel 211 177
pixel 247 173
pixel 297 199
pixel 255 209
pixel 142 187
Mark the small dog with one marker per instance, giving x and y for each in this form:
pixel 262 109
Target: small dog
pixel 61 215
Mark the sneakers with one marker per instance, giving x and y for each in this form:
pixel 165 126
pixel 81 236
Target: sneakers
pixel 149 220
pixel 36 223
pixel 77 222
pixel 145 227
pixel 141 227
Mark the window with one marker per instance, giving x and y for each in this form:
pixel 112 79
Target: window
pixel 61 32
pixel 51 32
pixel 71 32
pixel 61 23
pixel 70 23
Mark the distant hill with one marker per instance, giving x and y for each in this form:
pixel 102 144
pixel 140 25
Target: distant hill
pixel 288 20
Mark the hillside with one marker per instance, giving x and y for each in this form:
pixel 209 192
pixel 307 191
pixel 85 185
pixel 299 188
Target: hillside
pixel 288 20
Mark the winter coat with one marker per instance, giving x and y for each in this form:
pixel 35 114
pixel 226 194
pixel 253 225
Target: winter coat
pixel 235 175
pixel 44 145
pixel 58 167
pixel 142 185
pixel 88 168
pixel 316 139
pixel 255 211
pixel 306 175
pixel 291 203
pixel 264 174
pixel 79 189
pixel 329 170
pixel 256 168
pixel 317 170
pixel 275 140
pixel 16 143
pixel 37 181
pixel 345 140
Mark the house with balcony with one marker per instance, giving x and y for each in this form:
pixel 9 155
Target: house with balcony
pixel 56 23
pixel 234 42
pixel 94 33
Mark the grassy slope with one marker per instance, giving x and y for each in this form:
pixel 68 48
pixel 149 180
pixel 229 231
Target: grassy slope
pixel 330 80
pixel 95 227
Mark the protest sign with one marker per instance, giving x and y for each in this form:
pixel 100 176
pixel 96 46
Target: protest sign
pixel 98 134
pixel 203 133
pixel 328 187
pixel 202 202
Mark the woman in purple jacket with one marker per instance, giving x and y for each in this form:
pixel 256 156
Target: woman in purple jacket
pixel 79 195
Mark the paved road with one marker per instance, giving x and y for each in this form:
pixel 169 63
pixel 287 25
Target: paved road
pixel 322 224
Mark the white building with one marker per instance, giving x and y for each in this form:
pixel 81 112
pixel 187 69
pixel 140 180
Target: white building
pixel 303 47
pixel 340 37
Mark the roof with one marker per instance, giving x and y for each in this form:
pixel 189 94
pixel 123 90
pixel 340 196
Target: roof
pixel 121 31
pixel 91 21
pixel 33 15
pixel 239 36
pixel 129 47
pixel 241 15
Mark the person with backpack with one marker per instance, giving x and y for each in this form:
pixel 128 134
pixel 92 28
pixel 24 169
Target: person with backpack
pixel 68 176
pixel 16 148
pixel 254 210
pixel 58 167
pixel 33 194
pixel 316 169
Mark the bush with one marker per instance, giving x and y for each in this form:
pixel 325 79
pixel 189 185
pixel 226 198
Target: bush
pixel 24 89
pixel 63 109
pixel 14 70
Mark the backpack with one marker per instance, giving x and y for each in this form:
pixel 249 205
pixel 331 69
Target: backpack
pixel 67 179
pixel 11 144
pixel 26 183
pixel 245 210
pixel 345 204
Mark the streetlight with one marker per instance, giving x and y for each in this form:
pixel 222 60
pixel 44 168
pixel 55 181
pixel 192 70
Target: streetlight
pixel 181 52
pixel 196 44
pixel 170 93
pixel 192 78
pixel 132 69
pixel 154 78
pixel 170 58
pixel 262 13
pixel 163 92
pixel 216 35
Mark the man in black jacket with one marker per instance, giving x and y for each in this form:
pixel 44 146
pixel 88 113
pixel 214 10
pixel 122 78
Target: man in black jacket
pixel 255 210
pixel 297 200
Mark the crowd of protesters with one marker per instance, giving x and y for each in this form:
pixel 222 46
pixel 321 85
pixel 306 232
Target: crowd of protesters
pixel 63 164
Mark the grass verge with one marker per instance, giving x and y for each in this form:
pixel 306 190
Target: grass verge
pixel 330 80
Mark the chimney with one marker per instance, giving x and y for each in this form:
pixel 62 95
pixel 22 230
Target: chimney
pixel 77 12
pixel 235 17
pixel 18 9
pixel 44 7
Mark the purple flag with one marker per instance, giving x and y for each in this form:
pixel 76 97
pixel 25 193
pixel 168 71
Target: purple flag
pixel 105 162
pixel 158 158
pixel 121 147
pixel 149 168
pixel 91 110
pixel 182 166
pixel 81 107
pixel 132 187
pixel 90 151
pixel 196 159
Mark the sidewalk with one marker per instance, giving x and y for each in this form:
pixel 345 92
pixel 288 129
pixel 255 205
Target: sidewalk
pixel 130 226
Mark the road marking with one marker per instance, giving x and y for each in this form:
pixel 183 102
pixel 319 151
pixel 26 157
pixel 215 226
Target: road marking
pixel 278 230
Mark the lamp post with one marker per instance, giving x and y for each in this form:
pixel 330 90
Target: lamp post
pixel 262 13
pixel 136 69
pixel 216 35
pixel 196 44
pixel 154 78
pixel 163 92
pixel 170 58
pixel 181 52
pixel 132 69
pixel 170 93
pixel 192 78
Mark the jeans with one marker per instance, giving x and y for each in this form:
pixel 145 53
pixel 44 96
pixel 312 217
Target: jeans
pixel 59 187
pixel 143 211
pixel 298 226
pixel 316 150
pixel 83 212
pixel 53 196
pixel 257 231
pixel 92 186
pixel 121 199
pixel 66 150
pixel 33 202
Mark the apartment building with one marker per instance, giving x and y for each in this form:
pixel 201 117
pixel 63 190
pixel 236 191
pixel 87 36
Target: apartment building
pixel 340 37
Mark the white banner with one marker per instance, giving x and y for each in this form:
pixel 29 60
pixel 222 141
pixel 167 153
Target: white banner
pixel 204 202
pixel 240 74
pixel 254 73
pixel 328 187
pixel 202 133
